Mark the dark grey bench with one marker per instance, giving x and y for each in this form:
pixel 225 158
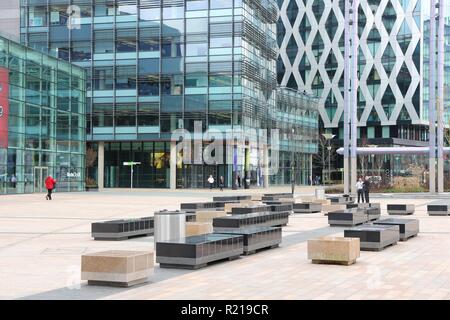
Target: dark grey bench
pixel 374 237
pixel 257 238
pixel 400 209
pixel 198 251
pixel 307 207
pixel 260 219
pixel 438 210
pixel 123 229
pixel 193 207
pixel 231 198
pixel 341 200
pixel 349 217
pixel 408 227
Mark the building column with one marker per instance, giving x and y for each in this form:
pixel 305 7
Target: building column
pixel 266 166
pixel 173 165
pixel 346 97
pixel 101 166
pixel 432 99
pixel 354 97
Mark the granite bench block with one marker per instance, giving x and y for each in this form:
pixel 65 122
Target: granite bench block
pixel 256 238
pixel 232 198
pixel 123 229
pixel 307 207
pixel 347 217
pixel 260 219
pixel 408 227
pixel 208 216
pixel 438 210
pixel 283 207
pixel 333 207
pixel 198 251
pixel 341 200
pixel 193 207
pixel 117 267
pixel 279 195
pixel 198 228
pixel 400 209
pixel 250 209
pixel 334 250
pixel 375 237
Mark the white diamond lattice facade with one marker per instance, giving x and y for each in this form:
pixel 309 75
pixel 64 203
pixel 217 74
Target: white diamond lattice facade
pixel 393 64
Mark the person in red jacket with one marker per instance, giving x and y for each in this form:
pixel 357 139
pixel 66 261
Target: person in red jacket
pixel 50 185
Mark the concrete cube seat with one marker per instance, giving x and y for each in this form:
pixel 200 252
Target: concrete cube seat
pixel 408 227
pixel 375 237
pixel 198 228
pixel 123 229
pixel 348 217
pixel 208 216
pixel 438 209
pixel 400 209
pixel 256 238
pixel 198 251
pixel 307 207
pixel 334 250
pixel 117 267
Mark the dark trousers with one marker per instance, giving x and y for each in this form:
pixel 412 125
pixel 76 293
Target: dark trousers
pixel 211 185
pixel 366 195
pixel 360 196
pixel 221 187
pixel 49 194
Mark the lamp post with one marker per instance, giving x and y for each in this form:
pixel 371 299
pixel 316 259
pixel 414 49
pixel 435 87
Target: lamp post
pixel 292 164
pixel 328 137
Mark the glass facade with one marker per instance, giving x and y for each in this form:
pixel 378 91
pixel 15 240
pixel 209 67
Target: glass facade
pixel 157 66
pixel 42 113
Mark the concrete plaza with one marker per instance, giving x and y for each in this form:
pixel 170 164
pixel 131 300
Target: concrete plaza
pixel 41 243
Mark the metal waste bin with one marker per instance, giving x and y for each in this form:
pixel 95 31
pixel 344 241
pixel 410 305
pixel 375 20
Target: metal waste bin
pixel 320 194
pixel 169 225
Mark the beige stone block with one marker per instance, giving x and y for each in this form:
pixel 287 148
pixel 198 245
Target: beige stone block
pixel 197 228
pixel 257 197
pixel 334 250
pixel 333 207
pixel 208 216
pixel 229 206
pixel 117 267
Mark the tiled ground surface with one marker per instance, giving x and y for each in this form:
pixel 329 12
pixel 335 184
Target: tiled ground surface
pixel 41 243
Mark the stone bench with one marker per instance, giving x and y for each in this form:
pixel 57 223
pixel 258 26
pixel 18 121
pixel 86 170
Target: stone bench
pixel 198 251
pixel 279 195
pixel 438 210
pixel 341 200
pixel 232 198
pixel 123 229
pixel 259 219
pixel 250 209
pixel 117 267
pixel 257 238
pixel 307 207
pixel 400 209
pixel 375 237
pixel 373 212
pixel 408 227
pixel 208 216
pixel 348 217
pixel 198 228
pixel 334 250
pixel 193 207
pixel 332 207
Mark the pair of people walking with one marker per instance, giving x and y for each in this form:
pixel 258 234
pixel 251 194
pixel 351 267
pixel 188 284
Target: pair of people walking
pixel 211 182
pixel 363 189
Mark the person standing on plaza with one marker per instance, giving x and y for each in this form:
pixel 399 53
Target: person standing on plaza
pixel 211 181
pixel 221 183
pixel 50 184
pixel 239 180
pixel 13 181
pixel 360 190
pixel 366 188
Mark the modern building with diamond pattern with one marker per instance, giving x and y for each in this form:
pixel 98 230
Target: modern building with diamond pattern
pixel 393 66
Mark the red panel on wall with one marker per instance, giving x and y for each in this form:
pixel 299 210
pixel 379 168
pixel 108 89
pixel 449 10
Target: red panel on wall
pixel 4 106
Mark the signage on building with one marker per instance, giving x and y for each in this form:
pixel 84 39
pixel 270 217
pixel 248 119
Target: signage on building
pixel 4 107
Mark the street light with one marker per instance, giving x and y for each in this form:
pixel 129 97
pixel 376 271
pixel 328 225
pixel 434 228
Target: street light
pixel 328 137
pixel 292 163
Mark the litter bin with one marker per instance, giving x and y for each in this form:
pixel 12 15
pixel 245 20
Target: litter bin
pixel 169 225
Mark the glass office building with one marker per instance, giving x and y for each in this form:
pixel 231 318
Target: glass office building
pixel 393 68
pixel 42 121
pixel 155 66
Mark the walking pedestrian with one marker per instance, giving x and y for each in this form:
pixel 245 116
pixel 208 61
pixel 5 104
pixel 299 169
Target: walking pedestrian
pixel 211 181
pixel 360 190
pixel 221 183
pixel 50 184
pixel 13 181
pixel 366 188
pixel 239 180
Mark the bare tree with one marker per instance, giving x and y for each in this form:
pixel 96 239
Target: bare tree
pixel 363 160
pixel 323 157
